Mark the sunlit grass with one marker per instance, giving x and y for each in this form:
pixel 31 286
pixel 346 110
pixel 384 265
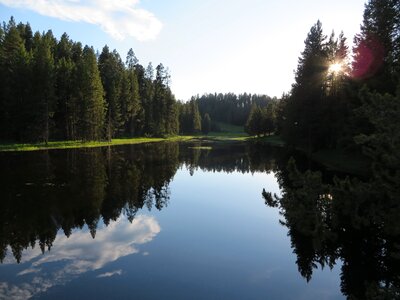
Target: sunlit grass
pixel 116 142
pixel 201 148
pixel 87 144
pixel 228 133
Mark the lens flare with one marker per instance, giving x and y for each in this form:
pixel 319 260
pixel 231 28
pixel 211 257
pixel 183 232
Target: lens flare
pixel 335 68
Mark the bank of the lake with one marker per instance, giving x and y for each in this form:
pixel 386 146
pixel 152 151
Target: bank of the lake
pixel 87 144
pixel 52 145
pixel 332 159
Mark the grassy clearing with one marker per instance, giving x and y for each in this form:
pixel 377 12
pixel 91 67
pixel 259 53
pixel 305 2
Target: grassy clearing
pixel 227 137
pixel 229 129
pixel 228 133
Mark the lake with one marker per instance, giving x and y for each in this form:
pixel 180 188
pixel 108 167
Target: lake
pixel 178 221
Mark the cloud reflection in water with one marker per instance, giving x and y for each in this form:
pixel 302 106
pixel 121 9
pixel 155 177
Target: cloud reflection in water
pixel 78 254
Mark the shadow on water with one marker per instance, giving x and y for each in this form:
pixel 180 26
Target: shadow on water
pixel 332 219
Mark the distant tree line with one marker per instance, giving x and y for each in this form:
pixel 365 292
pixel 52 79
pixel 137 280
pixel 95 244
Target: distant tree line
pixel 58 89
pixel 230 108
pixel 205 113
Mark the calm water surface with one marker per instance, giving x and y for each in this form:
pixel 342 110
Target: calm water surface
pixel 159 221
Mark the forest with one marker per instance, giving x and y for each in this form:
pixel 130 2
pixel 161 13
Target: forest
pixel 61 90
pixel 342 99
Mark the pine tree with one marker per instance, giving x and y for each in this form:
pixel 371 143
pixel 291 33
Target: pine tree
pixel 147 99
pixel 159 101
pixel 74 104
pixel 254 124
pixel 43 87
pixel 206 124
pixel 308 92
pixel 111 72
pixel 15 84
pixel 93 106
pixel 376 51
pixel 131 60
pixel 64 88
pixel 196 118
pixel 131 106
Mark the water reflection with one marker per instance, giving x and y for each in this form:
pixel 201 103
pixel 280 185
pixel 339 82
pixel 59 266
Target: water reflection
pixel 87 208
pixel 78 254
pixel 43 192
pixel 347 220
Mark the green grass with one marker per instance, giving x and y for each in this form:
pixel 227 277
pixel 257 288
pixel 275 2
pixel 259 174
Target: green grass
pixel 89 144
pixel 201 148
pixel 230 129
pixel 226 137
pixel 228 133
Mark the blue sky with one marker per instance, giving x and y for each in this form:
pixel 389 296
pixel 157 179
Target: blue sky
pixel 209 46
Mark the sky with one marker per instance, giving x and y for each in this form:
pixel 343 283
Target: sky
pixel 208 46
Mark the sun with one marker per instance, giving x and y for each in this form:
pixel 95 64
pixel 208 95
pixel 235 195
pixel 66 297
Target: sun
pixel 335 68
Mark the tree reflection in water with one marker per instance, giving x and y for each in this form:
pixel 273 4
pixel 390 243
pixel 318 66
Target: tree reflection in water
pixel 329 220
pixel 44 192
pixel 348 220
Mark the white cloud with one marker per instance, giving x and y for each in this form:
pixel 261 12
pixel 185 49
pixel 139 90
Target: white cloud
pixel 110 274
pixel 78 254
pixel 118 18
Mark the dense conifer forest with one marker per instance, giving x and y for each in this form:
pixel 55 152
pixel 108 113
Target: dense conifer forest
pixel 58 89
pixel 61 90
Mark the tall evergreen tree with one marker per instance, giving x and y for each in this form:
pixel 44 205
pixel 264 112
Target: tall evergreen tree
pixel 376 51
pixel 172 114
pixel 131 96
pixel 111 72
pixel 189 117
pixel 308 92
pixel 254 125
pixel 93 106
pixel 147 99
pixel 196 119
pixel 43 87
pixel 15 85
pixel 206 124
pixel 64 87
